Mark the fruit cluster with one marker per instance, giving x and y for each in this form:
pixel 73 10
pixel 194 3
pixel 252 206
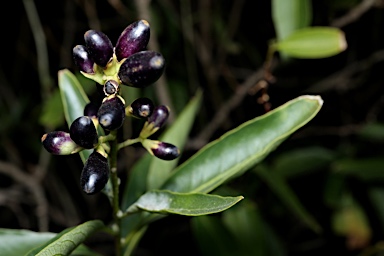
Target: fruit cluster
pixel 128 63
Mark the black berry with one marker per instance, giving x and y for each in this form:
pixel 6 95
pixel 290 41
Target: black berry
pixel 111 113
pixel 99 47
pixel 95 173
pixel 82 59
pixel 133 39
pixel 165 151
pixel 59 143
pixel 159 116
pixel 142 69
pixel 141 107
pixel 83 132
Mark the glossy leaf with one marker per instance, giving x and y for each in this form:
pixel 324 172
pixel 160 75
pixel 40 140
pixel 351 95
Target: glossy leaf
pixel 189 204
pixel 177 134
pixel 74 100
pixel 68 240
pixel 313 42
pixel 243 147
pixel 289 16
pixel 278 185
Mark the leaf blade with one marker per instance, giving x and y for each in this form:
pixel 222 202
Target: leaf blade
pixel 188 204
pixel 238 150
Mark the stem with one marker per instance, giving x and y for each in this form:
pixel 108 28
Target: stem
pixel 115 199
pixel 128 142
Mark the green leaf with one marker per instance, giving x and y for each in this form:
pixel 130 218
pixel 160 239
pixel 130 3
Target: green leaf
pixel 313 43
pixel 367 169
pixel 68 240
pixel 74 100
pixel 245 222
pixel 302 161
pixel 288 16
pixel 243 147
pixel 278 185
pixel 52 115
pixel 189 204
pixel 372 132
pixel 177 134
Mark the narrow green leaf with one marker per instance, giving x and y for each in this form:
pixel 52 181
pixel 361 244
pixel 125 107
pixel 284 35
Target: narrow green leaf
pixel 74 100
pixel 52 115
pixel 177 134
pixel 245 222
pixel 313 42
pixel 288 16
pixel 212 237
pixel 367 169
pixel 189 204
pixel 243 147
pixel 302 161
pixel 278 185
pixel 68 240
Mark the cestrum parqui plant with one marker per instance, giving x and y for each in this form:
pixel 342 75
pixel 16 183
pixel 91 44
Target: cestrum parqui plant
pixel 128 63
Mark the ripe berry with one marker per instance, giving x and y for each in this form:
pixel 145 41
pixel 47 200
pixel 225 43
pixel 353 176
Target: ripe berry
pixel 95 173
pixel 133 39
pixel 141 107
pixel 111 113
pixel 142 69
pixel 82 59
pixel 159 116
pixel 165 151
pixel 83 132
pixel 59 143
pixel 99 47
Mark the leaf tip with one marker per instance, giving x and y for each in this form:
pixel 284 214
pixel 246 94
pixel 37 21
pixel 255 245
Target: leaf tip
pixel 314 98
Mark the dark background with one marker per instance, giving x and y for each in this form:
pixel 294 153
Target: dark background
pixel 230 39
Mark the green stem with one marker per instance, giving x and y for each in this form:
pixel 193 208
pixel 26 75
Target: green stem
pixel 128 142
pixel 115 200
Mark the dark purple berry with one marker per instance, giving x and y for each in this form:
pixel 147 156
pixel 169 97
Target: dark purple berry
pixel 141 107
pixel 82 59
pixel 165 151
pixel 83 132
pixel 111 87
pixel 159 116
pixel 142 69
pixel 133 39
pixel 59 143
pixel 95 173
pixel 91 109
pixel 99 47
pixel 111 113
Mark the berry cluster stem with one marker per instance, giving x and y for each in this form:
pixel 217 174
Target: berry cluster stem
pixel 115 200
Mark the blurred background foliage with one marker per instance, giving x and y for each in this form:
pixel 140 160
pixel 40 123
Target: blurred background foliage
pixel 321 192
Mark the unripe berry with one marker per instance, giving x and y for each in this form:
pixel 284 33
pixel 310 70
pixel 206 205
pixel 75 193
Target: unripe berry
pixel 99 47
pixel 142 69
pixel 82 59
pixel 111 113
pixel 83 132
pixel 133 39
pixel 141 107
pixel 59 143
pixel 95 173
